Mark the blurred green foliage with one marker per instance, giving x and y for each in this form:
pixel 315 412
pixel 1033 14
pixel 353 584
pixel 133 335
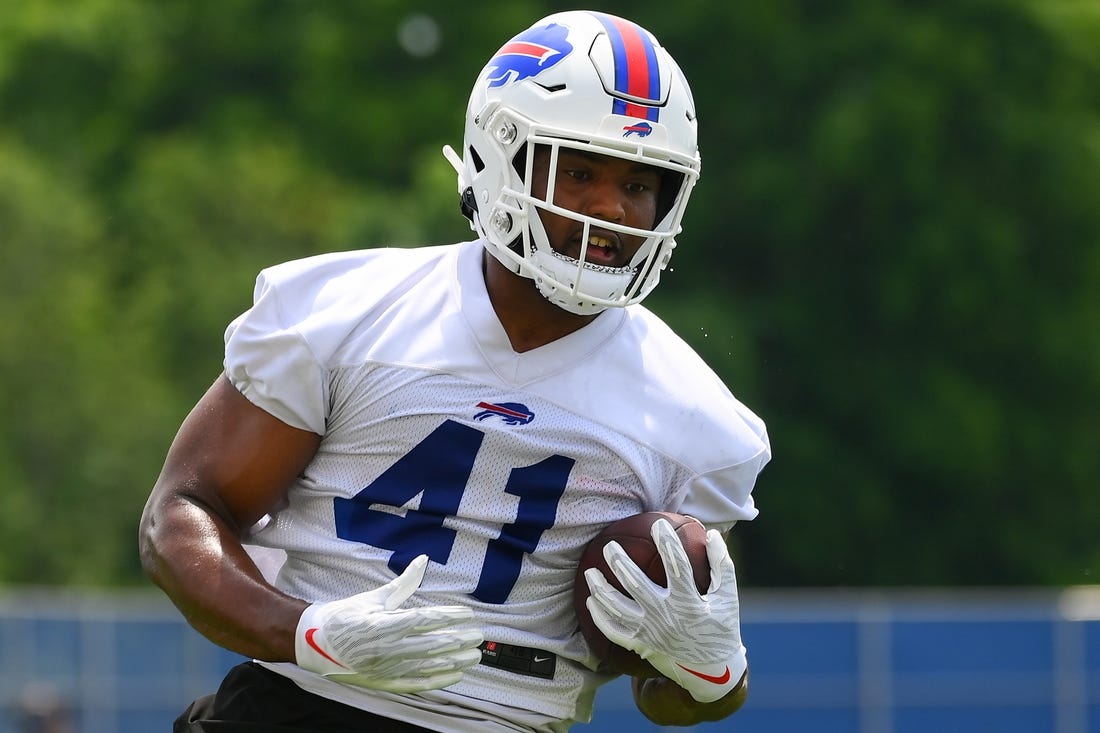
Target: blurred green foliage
pixel 892 254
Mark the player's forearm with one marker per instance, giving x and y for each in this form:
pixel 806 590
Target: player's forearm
pixel 200 564
pixel 666 703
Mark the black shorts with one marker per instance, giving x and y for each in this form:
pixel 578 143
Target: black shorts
pixel 252 699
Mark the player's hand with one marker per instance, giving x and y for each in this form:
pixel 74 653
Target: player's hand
pixel 367 640
pixel 693 639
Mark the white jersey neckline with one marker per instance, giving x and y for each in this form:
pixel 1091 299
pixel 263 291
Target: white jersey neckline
pixel 529 366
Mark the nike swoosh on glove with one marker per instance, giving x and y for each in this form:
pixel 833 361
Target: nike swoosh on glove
pixel 692 639
pixel 369 641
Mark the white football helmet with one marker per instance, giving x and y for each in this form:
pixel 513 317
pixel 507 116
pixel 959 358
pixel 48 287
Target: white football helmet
pixel 579 80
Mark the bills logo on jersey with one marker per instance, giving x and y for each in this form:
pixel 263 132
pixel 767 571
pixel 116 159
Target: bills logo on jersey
pixel 512 413
pixel 529 54
pixel 642 129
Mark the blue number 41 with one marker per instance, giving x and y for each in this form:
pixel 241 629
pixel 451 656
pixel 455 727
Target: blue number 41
pixel 437 471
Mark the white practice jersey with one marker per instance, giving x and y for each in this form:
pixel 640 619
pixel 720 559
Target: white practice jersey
pixel 439 439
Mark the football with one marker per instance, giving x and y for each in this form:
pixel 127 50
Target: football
pixel 633 534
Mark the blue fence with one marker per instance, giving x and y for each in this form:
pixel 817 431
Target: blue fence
pixel 828 662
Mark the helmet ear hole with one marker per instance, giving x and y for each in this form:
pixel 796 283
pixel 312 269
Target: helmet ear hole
pixel 479 164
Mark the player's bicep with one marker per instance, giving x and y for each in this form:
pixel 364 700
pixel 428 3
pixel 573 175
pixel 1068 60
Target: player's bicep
pixel 234 458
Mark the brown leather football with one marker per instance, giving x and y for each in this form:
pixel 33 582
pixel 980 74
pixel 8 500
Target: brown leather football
pixel 633 534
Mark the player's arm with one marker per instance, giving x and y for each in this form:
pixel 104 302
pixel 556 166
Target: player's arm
pixel 230 463
pixel 693 639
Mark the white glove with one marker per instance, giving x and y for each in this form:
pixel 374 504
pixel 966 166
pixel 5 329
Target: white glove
pixel 366 641
pixel 692 639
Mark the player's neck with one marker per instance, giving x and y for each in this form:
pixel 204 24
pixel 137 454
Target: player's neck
pixel 529 319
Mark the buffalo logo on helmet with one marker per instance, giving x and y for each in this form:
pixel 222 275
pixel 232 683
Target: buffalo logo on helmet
pixel 529 54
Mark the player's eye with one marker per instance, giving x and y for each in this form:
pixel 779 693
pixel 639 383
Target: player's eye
pixel 578 174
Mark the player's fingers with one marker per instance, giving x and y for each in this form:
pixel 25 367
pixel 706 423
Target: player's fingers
pixel 409 683
pixel 390 627
pixel 633 578
pixel 397 667
pixel 452 662
pixel 431 618
pixel 405 584
pixel 609 598
pixel 441 643
pixel 723 575
pixel 597 583
pixel 612 626
pixel 599 587
pixel 674 556
pixel 420 684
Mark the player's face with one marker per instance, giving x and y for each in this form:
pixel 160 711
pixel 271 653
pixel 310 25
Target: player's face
pixel 610 189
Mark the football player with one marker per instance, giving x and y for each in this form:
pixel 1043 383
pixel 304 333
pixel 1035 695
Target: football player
pixel 429 437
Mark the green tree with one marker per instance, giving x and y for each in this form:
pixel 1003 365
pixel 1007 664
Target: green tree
pixel 902 199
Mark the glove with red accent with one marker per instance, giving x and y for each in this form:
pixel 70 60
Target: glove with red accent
pixel 692 639
pixel 368 641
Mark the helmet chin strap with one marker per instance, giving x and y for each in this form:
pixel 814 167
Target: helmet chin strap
pixel 560 278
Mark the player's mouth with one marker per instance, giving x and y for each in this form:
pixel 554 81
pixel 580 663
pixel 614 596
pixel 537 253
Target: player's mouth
pixel 603 249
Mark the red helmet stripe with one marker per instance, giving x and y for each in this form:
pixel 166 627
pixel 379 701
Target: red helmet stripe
pixel 636 70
